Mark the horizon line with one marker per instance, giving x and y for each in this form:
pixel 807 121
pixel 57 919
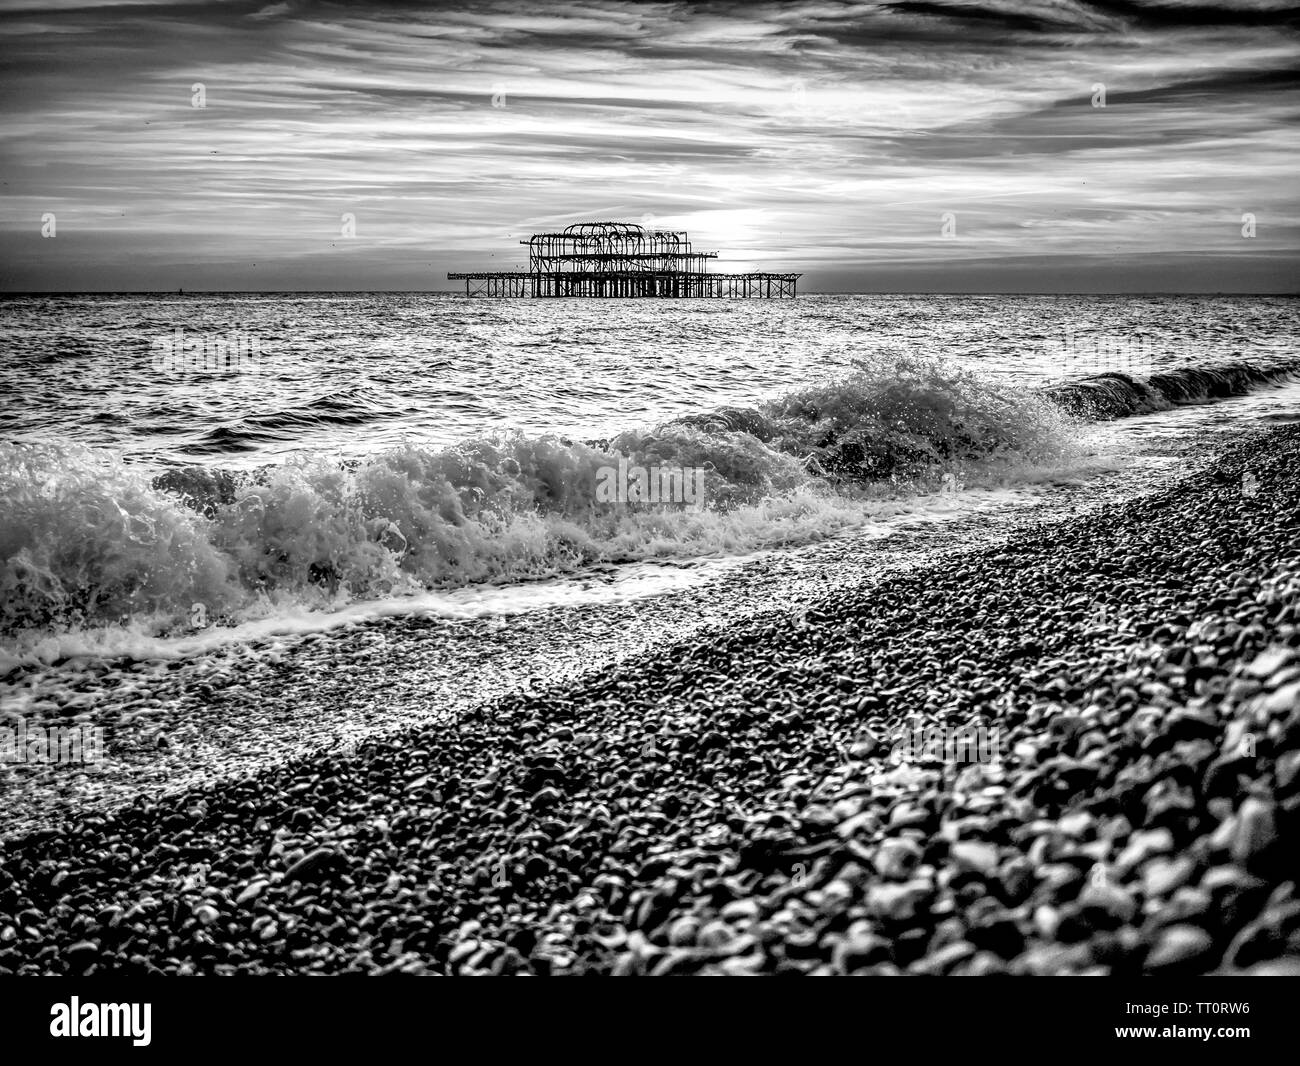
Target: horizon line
pixel 649 299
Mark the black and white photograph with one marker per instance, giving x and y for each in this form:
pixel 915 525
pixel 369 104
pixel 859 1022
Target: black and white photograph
pixel 617 488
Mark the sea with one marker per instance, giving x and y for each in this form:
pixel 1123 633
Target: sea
pixel 171 463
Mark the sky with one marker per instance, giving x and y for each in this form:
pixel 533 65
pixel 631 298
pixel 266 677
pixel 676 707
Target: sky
pixel 912 146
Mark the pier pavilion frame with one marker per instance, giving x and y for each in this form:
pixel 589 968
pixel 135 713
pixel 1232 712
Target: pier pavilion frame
pixel 621 260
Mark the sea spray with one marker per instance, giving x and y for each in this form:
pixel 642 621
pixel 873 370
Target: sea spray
pixel 87 538
pixel 901 418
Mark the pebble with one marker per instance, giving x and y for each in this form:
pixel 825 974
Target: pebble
pixel 542 834
pixel 1180 946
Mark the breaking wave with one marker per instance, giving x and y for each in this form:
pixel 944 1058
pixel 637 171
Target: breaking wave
pixel 89 539
pixel 1115 395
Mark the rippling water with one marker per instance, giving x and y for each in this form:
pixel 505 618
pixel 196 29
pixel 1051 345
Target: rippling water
pixel 153 479
pixel 351 373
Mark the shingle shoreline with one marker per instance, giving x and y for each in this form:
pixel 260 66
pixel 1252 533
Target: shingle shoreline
pixel 737 806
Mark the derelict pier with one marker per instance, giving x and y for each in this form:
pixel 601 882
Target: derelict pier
pixel 620 260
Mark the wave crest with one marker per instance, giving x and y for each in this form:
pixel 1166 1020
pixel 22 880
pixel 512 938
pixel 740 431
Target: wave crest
pixel 86 537
pixel 1116 395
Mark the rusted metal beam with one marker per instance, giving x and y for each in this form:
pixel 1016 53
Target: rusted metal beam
pixel 621 260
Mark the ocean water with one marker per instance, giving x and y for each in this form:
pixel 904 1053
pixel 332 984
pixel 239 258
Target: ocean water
pixel 350 373
pixel 173 462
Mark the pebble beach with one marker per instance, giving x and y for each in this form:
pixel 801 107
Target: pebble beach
pixel 733 802
pixel 650 490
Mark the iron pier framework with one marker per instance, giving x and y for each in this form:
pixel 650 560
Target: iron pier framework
pixel 620 260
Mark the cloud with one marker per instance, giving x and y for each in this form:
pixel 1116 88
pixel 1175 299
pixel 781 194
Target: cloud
pixel 272 11
pixel 823 137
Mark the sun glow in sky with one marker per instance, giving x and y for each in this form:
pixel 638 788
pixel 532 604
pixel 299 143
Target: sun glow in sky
pixel 893 146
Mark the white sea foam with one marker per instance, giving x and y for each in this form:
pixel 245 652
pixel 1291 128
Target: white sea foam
pixel 87 538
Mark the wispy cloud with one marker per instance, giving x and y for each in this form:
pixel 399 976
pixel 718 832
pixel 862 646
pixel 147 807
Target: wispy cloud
pixel 882 145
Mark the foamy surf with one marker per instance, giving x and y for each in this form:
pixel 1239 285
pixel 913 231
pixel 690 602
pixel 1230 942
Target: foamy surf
pixel 139 640
pixel 158 638
pixel 88 539
pixel 91 543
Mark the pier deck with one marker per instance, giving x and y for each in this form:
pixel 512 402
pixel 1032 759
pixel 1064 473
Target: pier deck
pixel 620 260
pixel 611 284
